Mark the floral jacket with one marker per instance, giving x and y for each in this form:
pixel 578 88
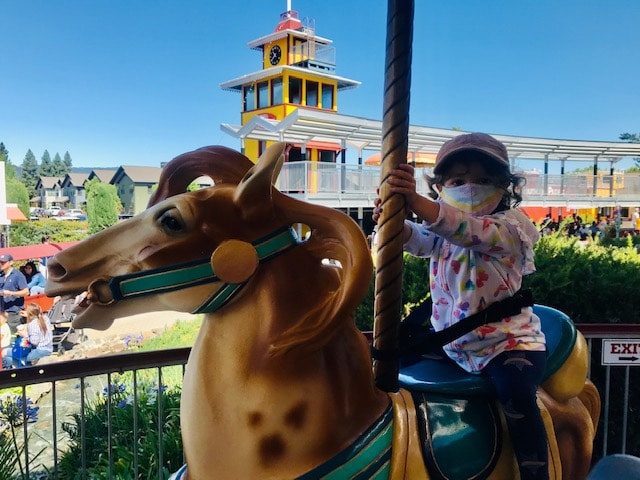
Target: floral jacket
pixel 475 261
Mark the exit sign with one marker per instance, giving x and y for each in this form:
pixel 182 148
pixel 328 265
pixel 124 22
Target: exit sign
pixel 623 351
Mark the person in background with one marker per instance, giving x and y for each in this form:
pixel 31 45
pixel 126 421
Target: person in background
pixel 480 248
pixel 35 280
pixel 39 332
pixel 43 260
pixel 13 288
pixel 635 220
pixel 5 338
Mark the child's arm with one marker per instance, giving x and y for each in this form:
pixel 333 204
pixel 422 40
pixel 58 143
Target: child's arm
pixel 402 181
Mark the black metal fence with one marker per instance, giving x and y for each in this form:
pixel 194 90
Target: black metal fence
pixel 614 352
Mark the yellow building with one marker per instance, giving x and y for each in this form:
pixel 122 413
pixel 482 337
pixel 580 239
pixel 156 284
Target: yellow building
pixel 298 71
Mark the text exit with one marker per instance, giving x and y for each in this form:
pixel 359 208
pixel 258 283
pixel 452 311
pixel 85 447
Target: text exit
pixel 620 352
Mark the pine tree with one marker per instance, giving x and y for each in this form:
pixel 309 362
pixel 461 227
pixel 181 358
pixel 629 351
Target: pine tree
pixel 59 168
pixel 46 166
pixel 4 153
pixel 67 161
pixel 9 170
pixel 30 173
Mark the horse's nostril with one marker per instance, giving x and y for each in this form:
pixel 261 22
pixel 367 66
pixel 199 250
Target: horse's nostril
pixel 55 270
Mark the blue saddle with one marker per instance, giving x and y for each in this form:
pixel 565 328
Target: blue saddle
pixel 436 374
pixel 456 411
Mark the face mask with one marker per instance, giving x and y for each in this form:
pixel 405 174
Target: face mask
pixel 472 198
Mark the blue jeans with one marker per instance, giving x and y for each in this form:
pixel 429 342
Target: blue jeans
pixel 516 375
pixel 7 360
pixel 36 354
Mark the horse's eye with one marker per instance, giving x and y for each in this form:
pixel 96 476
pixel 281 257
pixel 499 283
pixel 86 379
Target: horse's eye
pixel 171 223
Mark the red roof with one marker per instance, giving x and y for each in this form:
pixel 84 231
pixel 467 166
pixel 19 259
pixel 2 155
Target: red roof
pixel 26 252
pixel 288 24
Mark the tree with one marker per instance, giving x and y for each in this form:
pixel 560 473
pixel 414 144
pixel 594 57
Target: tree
pixel 30 172
pixel 4 153
pixel 67 162
pixel 46 166
pixel 59 168
pixel 632 138
pixel 103 205
pixel 9 170
pixel 17 193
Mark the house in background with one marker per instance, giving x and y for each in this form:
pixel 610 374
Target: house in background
pixel 103 175
pixel 134 186
pixel 73 187
pixel 49 191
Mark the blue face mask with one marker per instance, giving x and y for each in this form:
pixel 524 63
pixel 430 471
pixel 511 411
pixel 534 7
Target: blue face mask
pixel 473 198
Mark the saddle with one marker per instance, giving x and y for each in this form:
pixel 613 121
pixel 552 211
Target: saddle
pixel 441 391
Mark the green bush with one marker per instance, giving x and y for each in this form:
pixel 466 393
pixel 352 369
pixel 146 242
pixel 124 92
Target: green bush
pixel 415 288
pixel 31 232
pixel 119 405
pixel 591 283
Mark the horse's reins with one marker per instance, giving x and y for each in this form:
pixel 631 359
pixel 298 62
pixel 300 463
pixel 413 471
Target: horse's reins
pixel 191 274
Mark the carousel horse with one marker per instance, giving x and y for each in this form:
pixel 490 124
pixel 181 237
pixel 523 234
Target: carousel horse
pixel 279 382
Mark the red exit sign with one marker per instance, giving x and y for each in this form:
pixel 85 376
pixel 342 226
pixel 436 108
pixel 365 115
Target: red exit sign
pixel 625 351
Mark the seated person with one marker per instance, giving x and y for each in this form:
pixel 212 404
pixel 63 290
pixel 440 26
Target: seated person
pixel 38 336
pixel 39 332
pixel 5 338
pixel 35 280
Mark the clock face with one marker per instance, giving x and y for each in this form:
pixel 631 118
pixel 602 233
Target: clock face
pixel 274 55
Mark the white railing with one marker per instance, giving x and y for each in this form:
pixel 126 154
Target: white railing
pixel 338 184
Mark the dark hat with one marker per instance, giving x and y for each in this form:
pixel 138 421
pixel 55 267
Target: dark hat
pixel 477 142
pixel 6 257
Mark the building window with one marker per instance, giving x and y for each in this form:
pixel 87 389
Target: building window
pixel 327 97
pixel 276 91
pixel 294 154
pixel 262 146
pixel 295 90
pixel 263 94
pixel 249 102
pixel 312 94
pixel 327 156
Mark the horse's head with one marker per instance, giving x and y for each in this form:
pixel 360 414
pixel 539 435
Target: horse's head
pixel 189 250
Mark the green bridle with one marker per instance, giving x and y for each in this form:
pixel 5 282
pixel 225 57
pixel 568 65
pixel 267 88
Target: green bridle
pixel 197 272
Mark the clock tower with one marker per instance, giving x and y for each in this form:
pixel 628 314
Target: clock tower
pixel 298 71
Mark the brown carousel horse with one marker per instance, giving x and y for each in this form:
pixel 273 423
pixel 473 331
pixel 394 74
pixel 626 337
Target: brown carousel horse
pixel 279 382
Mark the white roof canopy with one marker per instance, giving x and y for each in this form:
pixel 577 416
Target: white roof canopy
pixel 303 126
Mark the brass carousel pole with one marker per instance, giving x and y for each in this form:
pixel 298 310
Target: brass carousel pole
pixel 395 129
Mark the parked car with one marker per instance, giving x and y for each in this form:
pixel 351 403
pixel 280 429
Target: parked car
pixel 72 212
pixel 52 211
pixel 36 212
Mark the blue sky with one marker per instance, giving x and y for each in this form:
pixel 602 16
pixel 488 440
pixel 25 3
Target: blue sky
pixel 116 82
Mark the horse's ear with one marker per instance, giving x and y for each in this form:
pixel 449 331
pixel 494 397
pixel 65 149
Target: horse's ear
pixel 221 164
pixel 253 194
